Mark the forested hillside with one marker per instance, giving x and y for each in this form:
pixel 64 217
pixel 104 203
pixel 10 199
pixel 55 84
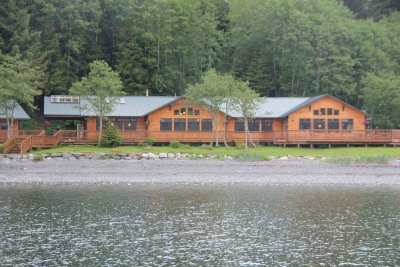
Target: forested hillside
pixel 348 48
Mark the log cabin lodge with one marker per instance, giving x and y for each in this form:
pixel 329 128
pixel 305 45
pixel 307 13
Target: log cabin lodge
pixel 323 119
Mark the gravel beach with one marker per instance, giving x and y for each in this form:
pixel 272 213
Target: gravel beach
pixel 291 172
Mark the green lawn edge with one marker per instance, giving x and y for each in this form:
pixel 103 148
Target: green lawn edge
pixel 262 151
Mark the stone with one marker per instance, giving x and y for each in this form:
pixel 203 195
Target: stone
pixel 171 155
pixel 77 155
pixel 153 156
pixel 163 155
pixel 201 156
pixel 144 156
pixel 56 155
pixel 283 158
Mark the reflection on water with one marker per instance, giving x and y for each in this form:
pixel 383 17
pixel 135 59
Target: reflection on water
pixel 199 225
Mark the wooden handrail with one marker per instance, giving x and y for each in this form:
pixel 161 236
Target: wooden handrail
pixel 25 145
pixel 8 145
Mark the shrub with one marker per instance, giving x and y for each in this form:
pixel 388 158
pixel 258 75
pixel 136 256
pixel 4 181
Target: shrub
pixel 248 156
pixel 37 157
pixel 360 160
pixel 186 146
pixel 110 137
pixel 1 149
pixel 175 144
pixel 240 145
pixel 149 141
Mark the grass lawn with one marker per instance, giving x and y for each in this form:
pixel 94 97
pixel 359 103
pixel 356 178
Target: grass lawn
pixel 262 151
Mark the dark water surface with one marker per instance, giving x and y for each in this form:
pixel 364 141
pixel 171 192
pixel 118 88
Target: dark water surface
pixel 199 225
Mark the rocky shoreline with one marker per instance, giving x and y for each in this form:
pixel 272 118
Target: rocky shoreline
pixel 179 169
pixel 129 156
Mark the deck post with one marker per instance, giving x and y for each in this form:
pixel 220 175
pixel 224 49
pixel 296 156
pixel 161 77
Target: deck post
pixel 329 145
pixel 298 145
pixel 311 145
pixel 366 145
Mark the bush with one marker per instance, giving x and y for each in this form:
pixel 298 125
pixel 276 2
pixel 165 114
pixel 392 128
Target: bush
pixel 248 156
pixel 37 157
pixel 175 144
pixel 110 137
pixel 1 149
pixel 149 141
pixel 240 145
pixel 359 160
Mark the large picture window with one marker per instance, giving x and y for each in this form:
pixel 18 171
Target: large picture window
pixel 254 125
pixel 239 126
pixel 117 123
pixel 179 124
pixel 105 123
pixel 206 125
pixel 165 124
pixel 347 124
pixel 129 124
pixel 333 124
pixel 304 124
pixel 266 125
pixel 193 124
pixel 319 124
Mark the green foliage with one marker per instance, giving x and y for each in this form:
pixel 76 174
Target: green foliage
pixel 249 156
pixel 282 47
pixel 240 145
pixel 1 149
pixel 175 144
pixel 111 137
pixel 380 159
pixel 30 125
pixel 149 141
pixel 37 157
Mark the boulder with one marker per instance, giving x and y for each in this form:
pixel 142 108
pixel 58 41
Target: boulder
pixel 283 158
pixel 163 155
pixel 153 156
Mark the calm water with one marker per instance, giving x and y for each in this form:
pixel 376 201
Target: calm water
pixel 198 225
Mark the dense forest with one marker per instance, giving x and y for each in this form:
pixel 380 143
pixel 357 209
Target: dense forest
pixel 347 48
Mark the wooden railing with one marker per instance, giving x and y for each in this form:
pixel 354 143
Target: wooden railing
pixel 46 140
pixel 8 145
pixel 25 145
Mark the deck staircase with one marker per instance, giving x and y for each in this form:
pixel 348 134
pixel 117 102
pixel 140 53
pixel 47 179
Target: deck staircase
pixel 23 144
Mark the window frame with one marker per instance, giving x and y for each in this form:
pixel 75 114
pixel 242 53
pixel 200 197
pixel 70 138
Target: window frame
pixel 319 121
pixel 166 122
pixel 267 125
pixel 335 122
pixel 207 122
pixel 300 124
pixel 192 122
pixel 133 121
pixel 180 122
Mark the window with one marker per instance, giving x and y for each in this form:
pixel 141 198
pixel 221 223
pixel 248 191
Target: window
pixel 254 125
pixel 176 111
pixel 239 126
pixel 117 123
pixel 347 124
pixel 193 124
pixel 64 99
pixel 333 124
pixel 266 125
pixel 319 124
pixel 190 111
pixel 129 124
pixel 322 111
pixel 183 111
pixel 105 123
pixel 329 111
pixel 165 124
pixel 304 124
pixel 206 125
pixel 179 124
pixel 316 112
pixel 336 112
pixel 196 112
pixel 3 125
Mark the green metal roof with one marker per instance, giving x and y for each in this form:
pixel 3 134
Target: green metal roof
pixel 19 113
pixel 140 106
pixel 134 106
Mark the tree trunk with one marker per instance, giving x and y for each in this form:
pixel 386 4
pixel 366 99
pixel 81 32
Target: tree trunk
pixel 10 124
pixel 246 130
pixel 212 130
pixel 100 130
pixel 217 130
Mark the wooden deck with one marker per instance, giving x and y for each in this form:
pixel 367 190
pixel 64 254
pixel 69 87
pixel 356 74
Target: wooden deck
pixel 24 141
